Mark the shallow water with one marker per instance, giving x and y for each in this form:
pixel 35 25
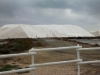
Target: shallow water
pixel 90 41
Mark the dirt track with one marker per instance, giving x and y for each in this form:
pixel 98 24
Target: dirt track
pixel 52 56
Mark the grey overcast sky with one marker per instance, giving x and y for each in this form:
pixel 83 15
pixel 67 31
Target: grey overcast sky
pixel 83 13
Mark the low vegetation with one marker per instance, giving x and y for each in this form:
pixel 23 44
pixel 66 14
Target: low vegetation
pixel 10 67
pixel 18 45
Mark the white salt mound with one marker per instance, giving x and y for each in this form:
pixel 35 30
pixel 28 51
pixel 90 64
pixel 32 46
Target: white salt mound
pixel 41 31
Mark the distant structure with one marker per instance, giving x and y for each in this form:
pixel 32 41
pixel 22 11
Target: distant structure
pixel 41 31
pixel 95 33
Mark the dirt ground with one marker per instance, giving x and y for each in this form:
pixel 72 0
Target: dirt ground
pixel 53 56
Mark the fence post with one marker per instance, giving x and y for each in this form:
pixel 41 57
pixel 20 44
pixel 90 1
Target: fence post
pixel 78 57
pixel 32 63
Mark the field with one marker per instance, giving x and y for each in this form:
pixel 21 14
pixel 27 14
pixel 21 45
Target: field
pixel 52 56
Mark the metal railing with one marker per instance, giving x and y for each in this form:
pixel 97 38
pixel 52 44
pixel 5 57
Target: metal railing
pixel 85 62
pixel 33 51
pixel 14 55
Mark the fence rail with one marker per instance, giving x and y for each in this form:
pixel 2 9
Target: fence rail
pixel 88 62
pixel 14 55
pixel 56 63
pixel 52 49
pixel 33 51
pixel 93 48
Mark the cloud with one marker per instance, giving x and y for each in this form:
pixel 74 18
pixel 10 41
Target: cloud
pixel 84 13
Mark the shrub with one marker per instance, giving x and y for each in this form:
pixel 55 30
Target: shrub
pixel 19 45
pixel 16 45
pixel 8 67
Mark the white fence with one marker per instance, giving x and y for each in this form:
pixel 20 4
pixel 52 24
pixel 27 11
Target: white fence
pixel 33 51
